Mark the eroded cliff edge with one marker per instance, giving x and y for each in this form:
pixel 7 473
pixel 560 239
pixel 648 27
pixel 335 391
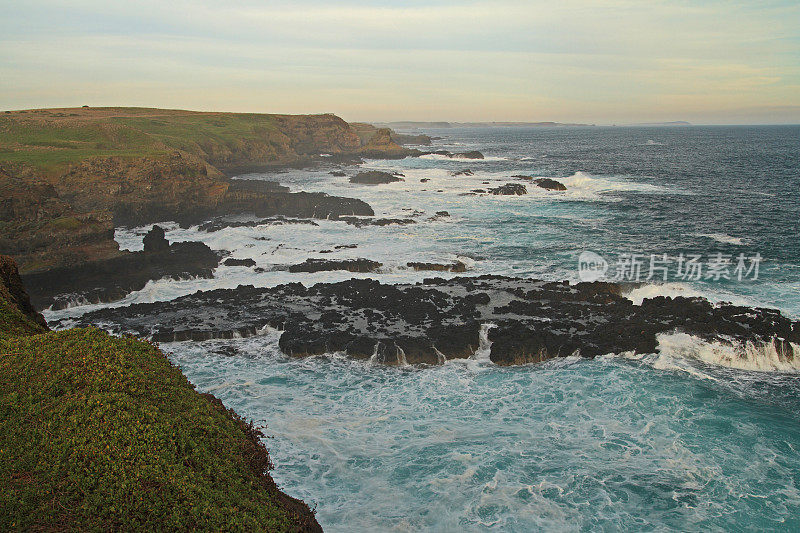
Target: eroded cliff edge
pixel 103 433
pixel 68 176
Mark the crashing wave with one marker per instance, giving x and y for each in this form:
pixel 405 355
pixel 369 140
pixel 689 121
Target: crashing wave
pixel 763 357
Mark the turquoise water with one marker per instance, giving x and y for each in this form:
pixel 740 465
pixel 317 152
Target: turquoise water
pixel 679 440
pixel 568 445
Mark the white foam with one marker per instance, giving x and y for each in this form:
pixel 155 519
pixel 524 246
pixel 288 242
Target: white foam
pixel 586 185
pixel 674 289
pixel 485 345
pixel 723 238
pixel 764 357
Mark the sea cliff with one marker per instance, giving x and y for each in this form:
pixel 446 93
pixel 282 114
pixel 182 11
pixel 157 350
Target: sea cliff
pixel 68 176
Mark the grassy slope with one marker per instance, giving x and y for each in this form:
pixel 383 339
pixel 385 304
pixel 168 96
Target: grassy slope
pixel 51 139
pixel 100 432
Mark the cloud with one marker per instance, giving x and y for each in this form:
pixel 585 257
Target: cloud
pixel 503 60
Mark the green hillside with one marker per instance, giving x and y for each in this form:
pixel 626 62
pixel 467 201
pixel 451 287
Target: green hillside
pixel 104 433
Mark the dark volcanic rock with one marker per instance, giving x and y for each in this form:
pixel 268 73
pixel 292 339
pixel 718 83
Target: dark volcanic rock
pixel 458 266
pixel 510 189
pixel 374 177
pixel 474 154
pixel 13 291
pixel 426 323
pixel 264 186
pixel 359 222
pixel 261 199
pixel 155 240
pixel 221 223
pixel 465 172
pixel 351 265
pixel 338 173
pixel 112 279
pixel 550 185
pixel 239 262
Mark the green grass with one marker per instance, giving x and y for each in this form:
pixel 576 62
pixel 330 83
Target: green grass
pixel 100 432
pixel 51 141
pixel 12 322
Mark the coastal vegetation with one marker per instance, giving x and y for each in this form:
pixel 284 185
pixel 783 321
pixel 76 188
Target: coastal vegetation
pixel 102 433
pixel 68 177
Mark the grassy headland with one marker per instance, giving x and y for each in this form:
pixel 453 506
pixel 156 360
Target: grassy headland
pixel 68 176
pixel 104 433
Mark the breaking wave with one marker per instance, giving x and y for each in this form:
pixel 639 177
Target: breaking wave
pixel 762 357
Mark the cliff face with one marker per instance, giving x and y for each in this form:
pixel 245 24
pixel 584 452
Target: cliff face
pixel 67 176
pixel 17 315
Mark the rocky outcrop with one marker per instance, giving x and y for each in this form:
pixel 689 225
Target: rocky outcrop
pixel 62 198
pixel 509 189
pixel 465 172
pixel 40 230
pixel 155 241
pixel 473 154
pixel 444 319
pixel 247 262
pixel 111 279
pixel 367 132
pixel 374 177
pixel 361 222
pixel 324 265
pixel 456 266
pixel 550 184
pixel 13 293
pixel 224 222
pixel 381 146
pixel 271 203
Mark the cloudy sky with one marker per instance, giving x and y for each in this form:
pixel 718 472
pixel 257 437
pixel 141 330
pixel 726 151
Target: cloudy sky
pixel 615 61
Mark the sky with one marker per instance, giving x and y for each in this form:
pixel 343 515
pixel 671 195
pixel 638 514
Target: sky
pixel 603 62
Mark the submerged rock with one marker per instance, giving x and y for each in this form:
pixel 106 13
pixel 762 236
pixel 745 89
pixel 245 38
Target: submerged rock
pixel 465 172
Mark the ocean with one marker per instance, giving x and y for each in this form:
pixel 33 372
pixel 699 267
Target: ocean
pixel 688 438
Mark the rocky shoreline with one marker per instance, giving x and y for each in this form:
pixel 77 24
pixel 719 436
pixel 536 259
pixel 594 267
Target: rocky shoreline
pixel 522 320
pixel 63 197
